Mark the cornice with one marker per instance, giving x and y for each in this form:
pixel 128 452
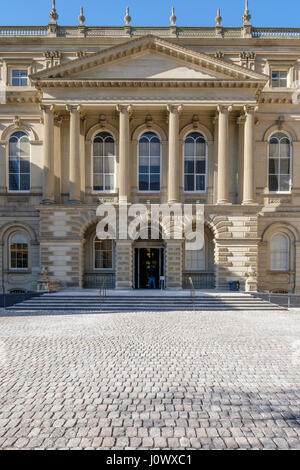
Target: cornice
pixel 148 83
pixel 152 43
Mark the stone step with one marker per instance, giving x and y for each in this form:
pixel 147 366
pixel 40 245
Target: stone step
pixel 113 304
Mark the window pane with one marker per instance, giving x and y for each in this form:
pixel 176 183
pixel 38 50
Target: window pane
pixel 285 166
pixel 144 165
pixel 14 165
pixel 144 148
pixel 107 260
pixel 24 182
pixel 108 165
pixel 13 182
pixel 200 166
pixel 273 183
pixel 109 147
pixel 98 164
pixel 189 166
pixel 13 141
pixel 280 247
pixel 200 182
pixel 155 148
pixel 273 166
pixel 154 182
pixel 143 182
pixel 200 149
pixel 98 183
pixel 189 149
pixel 284 148
pixel 24 165
pixel 274 148
pixel 155 165
pixel 98 147
pixel 189 184
pixel 109 182
pixel 106 245
pixel 284 183
pixel 24 147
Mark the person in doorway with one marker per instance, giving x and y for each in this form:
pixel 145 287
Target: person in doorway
pixel 151 277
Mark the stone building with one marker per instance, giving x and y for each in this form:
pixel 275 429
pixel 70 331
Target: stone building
pixel 165 114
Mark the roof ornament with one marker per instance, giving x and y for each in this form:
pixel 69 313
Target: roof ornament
pixel 246 16
pixel 81 17
pixel 127 18
pixel 218 18
pixel 247 29
pixel 173 17
pixel 53 14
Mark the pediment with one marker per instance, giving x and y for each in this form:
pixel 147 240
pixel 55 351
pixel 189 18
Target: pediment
pixel 148 58
pixel 148 65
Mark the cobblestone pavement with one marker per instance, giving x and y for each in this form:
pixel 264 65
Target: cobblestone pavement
pixel 209 380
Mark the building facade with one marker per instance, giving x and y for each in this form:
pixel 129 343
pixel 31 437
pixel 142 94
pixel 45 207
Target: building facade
pixel 149 115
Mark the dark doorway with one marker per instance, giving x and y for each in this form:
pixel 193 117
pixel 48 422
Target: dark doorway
pixel 148 261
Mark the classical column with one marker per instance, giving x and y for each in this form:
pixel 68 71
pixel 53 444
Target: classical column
pixel 248 189
pixel 48 170
pixel 223 160
pixel 173 178
pixel 74 171
pixel 124 114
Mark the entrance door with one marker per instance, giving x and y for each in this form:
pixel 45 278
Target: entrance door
pixel 146 260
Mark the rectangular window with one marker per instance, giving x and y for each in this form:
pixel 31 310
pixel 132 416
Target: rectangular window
pixel 279 78
pixel 19 256
pixel 195 260
pixel 103 254
pixel 19 77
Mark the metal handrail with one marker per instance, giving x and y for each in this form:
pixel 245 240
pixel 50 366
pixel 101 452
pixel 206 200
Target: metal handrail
pixel 102 293
pixel 193 292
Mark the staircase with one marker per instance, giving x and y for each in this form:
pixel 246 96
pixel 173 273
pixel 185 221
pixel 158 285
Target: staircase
pixel 137 303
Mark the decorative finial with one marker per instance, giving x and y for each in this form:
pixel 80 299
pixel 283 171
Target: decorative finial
pixel 218 18
pixel 246 16
pixel 53 14
pixel 81 17
pixel 127 17
pixel 173 17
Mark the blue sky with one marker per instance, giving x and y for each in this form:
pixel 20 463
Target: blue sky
pixel 152 12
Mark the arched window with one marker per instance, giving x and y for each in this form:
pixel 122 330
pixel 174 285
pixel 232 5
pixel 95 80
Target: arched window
pixel 18 251
pixel 103 254
pixel 280 252
pixel 280 163
pixel 19 162
pixel 104 153
pixel 195 156
pixel 149 162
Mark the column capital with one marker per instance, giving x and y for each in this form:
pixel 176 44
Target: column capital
pixel 241 119
pixel 250 109
pixel 73 108
pixel 58 119
pixel 224 108
pixel 47 108
pixel 174 108
pixel 124 108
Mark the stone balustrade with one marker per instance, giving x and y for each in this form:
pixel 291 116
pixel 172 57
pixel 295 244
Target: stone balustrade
pixel 100 31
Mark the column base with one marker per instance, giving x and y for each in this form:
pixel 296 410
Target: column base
pixel 249 203
pixel 224 203
pixel 174 201
pixel 48 201
pixel 74 202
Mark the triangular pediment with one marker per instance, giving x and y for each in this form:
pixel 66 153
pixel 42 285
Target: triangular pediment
pixel 148 58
